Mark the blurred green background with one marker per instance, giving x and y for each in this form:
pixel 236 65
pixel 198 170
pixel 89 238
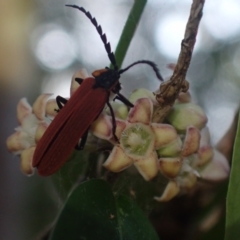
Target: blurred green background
pixel 42 43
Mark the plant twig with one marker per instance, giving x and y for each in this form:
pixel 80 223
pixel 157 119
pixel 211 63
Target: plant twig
pixel 170 89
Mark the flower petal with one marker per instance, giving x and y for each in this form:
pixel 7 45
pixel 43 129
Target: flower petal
pixel 205 137
pixel 141 93
pixel 29 124
pixel 117 160
pixel 191 141
pixel 23 110
pixel 82 73
pixel 18 142
pixel 120 126
pixel 51 107
pixel 102 127
pixel 205 154
pixel 39 106
pixel 170 167
pixel 40 130
pixel 184 97
pixel 173 149
pixel 26 161
pixel 171 190
pixel 188 180
pixel 141 112
pixel 164 133
pixel 148 166
pixel 218 169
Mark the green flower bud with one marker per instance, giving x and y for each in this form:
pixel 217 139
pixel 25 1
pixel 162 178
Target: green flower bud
pixel 141 93
pixel 120 110
pixel 173 149
pixel 184 115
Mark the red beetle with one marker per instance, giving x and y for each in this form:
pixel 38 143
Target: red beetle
pixel 77 114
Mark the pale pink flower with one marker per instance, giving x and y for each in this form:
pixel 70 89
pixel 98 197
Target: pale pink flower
pixel 138 139
pixel 181 151
pixel 32 123
pixel 197 159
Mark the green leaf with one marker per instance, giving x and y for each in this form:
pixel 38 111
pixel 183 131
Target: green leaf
pixel 71 172
pixel 93 212
pixel 133 224
pixel 80 166
pixel 233 196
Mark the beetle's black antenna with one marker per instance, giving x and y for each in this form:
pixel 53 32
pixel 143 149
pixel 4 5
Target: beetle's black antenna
pixel 152 64
pixel 111 55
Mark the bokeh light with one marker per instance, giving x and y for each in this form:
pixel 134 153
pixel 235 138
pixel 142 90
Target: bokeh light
pixel 54 48
pixel 57 84
pixel 221 18
pixel 169 34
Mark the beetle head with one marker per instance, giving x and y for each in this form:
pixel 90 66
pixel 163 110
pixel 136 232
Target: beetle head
pixel 106 78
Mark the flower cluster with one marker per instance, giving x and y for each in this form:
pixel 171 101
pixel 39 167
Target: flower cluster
pixel 33 123
pixel 178 149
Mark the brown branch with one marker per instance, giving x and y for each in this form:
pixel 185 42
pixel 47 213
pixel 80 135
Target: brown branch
pixel 170 89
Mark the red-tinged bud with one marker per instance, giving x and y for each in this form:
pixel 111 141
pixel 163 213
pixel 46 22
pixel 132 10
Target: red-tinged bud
pixel 102 127
pixel 23 110
pixel 39 106
pixel 26 161
pixel 191 141
pixel 205 154
pixel 141 112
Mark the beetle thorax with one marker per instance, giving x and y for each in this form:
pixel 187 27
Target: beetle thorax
pixel 106 78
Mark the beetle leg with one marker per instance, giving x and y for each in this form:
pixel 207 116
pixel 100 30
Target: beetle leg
pixel 79 80
pixel 83 141
pixel 60 102
pixel 113 122
pixel 123 99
